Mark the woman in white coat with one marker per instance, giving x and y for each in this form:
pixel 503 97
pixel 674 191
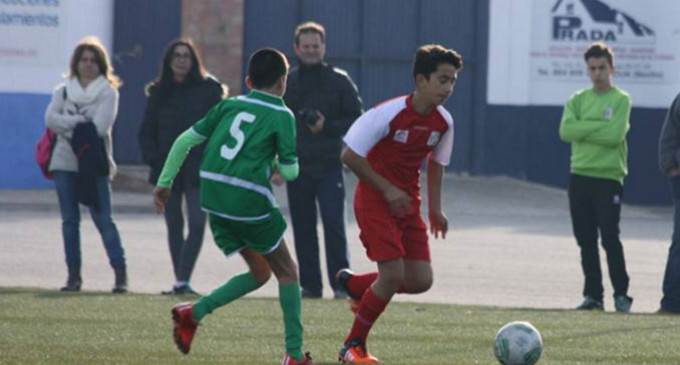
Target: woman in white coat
pixel 89 95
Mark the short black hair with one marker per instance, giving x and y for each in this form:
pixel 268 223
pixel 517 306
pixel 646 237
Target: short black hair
pixel 599 49
pixel 430 56
pixel 266 66
pixel 310 28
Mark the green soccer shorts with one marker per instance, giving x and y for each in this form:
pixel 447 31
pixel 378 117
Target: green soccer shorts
pixel 262 236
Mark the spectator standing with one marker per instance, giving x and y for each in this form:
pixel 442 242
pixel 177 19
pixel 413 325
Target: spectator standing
pixel 669 163
pixel 182 94
pixel 88 98
pixel 325 102
pixel 595 122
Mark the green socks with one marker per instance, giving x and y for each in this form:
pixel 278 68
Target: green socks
pixel 289 298
pixel 242 284
pixel 233 289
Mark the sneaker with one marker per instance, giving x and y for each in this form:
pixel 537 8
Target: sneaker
pixel 667 311
pixel 184 325
pixel 308 294
pixel 355 352
pixel 307 360
pixel 342 277
pixel 185 289
pixel 340 295
pixel 622 303
pixel 590 304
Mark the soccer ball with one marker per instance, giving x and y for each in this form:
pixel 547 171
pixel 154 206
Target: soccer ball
pixel 518 343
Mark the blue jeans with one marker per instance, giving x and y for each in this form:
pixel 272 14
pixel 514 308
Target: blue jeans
pixel 671 280
pixel 67 191
pixel 303 194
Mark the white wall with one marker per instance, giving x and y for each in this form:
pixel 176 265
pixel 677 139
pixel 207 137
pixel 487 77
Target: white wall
pixel 37 38
pixel 533 61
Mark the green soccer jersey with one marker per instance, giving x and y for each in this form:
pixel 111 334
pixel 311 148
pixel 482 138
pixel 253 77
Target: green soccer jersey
pixel 244 136
pixel 596 125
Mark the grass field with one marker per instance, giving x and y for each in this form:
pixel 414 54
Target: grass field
pixel 48 327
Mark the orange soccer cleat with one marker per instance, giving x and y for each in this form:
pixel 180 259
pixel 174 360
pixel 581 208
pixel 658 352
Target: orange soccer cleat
pixel 184 326
pixel 355 352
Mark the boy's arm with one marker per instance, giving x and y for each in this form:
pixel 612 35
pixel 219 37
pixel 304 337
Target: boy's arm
pixel 287 162
pixel 438 221
pixel 398 200
pixel 615 129
pixel 179 151
pixel 572 128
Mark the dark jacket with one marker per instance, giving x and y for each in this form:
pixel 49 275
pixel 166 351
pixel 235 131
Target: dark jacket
pixel 93 162
pixel 169 112
pixel 669 141
pixel 331 91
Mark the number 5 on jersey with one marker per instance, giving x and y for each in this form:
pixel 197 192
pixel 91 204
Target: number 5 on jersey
pixel 237 133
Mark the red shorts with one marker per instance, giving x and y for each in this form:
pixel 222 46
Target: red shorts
pixel 387 237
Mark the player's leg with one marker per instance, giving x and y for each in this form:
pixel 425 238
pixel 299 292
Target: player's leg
pixel 239 285
pixel 417 267
pixel 417 277
pixel 285 270
pixel 373 303
pixel 186 316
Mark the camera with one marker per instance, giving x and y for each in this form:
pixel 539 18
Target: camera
pixel 308 116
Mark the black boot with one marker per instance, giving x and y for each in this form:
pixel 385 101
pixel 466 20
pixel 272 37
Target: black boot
pixel 120 286
pixel 74 281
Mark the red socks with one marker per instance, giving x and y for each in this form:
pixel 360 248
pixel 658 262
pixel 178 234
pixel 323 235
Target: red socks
pixel 370 308
pixel 358 284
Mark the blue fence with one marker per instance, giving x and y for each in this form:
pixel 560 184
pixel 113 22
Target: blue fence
pixel 374 41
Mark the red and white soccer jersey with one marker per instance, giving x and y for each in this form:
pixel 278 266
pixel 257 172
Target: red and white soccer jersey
pixel 395 139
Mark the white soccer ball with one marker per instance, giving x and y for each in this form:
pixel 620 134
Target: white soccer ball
pixel 518 343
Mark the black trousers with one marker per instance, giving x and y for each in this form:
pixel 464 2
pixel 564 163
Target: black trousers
pixel 303 194
pixel 184 251
pixel 671 280
pixel 595 205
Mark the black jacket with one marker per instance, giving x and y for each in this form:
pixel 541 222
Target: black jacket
pixel 331 91
pixel 93 162
pixel 169 112
pixel 669 140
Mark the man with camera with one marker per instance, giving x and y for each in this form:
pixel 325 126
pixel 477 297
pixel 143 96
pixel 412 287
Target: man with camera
pixel 325 102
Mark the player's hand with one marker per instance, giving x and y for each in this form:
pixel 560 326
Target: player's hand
pixel 318 126
pixel 276 178
pixel 438 224
pixel 160 197
pixel 398 200
pixel 673 172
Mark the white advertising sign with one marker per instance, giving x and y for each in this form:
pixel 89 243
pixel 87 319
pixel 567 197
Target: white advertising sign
pixel 37 38
pixel 536 49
